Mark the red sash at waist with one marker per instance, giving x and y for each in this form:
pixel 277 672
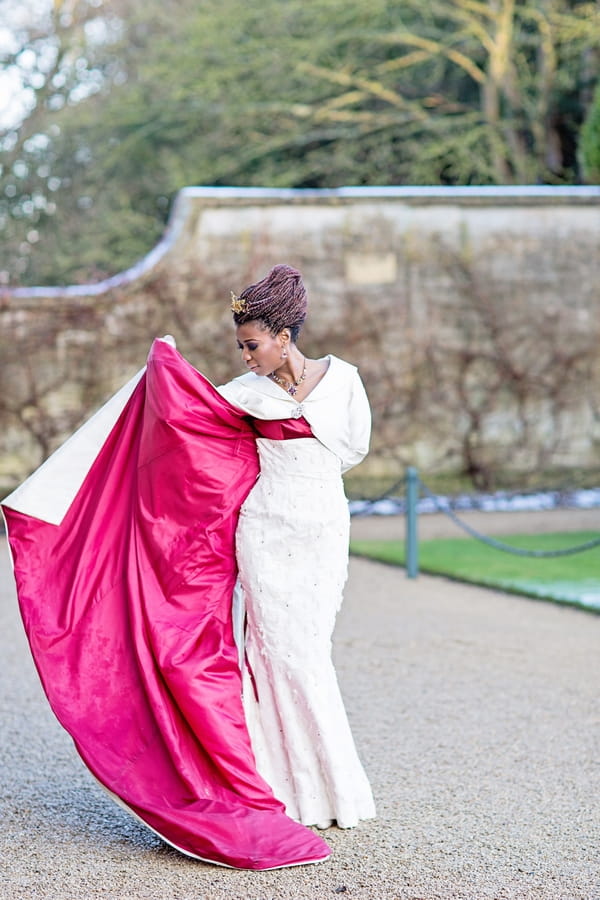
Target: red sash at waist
pixel 282 429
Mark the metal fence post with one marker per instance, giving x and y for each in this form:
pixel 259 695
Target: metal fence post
pixel 411 539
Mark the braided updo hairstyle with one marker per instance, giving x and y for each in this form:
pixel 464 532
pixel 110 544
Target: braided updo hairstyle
pixel 278 301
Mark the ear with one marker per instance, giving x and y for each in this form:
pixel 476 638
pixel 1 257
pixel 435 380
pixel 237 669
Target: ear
pixel 284 336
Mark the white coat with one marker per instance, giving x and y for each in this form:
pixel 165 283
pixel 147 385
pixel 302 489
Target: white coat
pixel 337 408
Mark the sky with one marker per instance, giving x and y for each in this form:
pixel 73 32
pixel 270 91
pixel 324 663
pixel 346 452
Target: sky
pixel 14 15
pixel 18 20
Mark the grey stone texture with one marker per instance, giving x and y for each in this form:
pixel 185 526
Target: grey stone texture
pixel 399 279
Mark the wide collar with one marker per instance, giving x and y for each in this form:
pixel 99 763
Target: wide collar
pixel 329 383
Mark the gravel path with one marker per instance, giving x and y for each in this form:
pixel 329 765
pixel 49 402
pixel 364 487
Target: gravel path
pixel 476 714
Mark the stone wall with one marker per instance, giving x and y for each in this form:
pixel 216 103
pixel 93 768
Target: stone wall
pixel 472 312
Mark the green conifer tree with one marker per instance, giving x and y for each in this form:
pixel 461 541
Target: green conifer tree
pixel 590 141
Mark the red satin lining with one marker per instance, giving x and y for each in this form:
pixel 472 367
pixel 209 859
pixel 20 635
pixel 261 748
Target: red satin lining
pixel 127 606
pixel 282 429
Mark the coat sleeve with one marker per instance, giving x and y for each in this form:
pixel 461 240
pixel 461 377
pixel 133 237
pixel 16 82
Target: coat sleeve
pixel 359 429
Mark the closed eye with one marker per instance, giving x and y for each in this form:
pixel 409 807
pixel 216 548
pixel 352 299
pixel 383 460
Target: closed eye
pixel 251 345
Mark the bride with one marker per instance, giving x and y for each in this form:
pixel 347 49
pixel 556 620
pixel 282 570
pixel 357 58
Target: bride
pixel 124 546
pixel 312 419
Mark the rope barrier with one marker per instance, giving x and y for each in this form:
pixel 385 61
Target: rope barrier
pixel 412 483
pixel 373 500
pixel 500 545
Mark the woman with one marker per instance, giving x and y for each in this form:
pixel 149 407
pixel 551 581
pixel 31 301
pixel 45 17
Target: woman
pixel 124 554
pixel 313 422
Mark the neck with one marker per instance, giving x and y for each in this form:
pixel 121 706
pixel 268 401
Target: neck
pixel 292 367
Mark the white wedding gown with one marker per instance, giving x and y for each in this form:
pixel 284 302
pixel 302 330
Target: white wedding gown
pixel 292 547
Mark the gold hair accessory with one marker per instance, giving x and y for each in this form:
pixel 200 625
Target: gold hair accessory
pixel 237 304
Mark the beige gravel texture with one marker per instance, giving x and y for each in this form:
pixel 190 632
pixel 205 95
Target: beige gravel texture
pixel 477 717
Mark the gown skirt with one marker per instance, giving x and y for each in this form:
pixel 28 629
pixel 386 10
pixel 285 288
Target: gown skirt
pixel 292 551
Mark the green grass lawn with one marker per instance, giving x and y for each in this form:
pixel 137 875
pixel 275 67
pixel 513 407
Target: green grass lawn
pixel 567 579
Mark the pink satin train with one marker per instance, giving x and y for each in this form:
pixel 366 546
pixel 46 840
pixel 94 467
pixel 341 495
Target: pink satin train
pixel 127 607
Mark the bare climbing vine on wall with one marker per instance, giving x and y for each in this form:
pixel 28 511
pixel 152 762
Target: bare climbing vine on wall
pixel 511 376
pixel 489 377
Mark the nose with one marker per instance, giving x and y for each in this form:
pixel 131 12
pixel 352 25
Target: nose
pixel 246 355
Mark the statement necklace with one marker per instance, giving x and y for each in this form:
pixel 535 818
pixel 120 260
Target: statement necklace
pixel 290 386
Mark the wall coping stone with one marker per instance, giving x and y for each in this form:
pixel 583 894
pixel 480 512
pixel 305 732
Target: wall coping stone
pixel 188 197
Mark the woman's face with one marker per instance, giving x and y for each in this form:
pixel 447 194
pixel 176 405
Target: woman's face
pixel 261 350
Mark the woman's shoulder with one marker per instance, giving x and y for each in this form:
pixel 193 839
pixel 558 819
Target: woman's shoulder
pixel 341 364
pixel 241 382
pixel 339 378
pixel 249 389
pixel 236 388
pixel 340 371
